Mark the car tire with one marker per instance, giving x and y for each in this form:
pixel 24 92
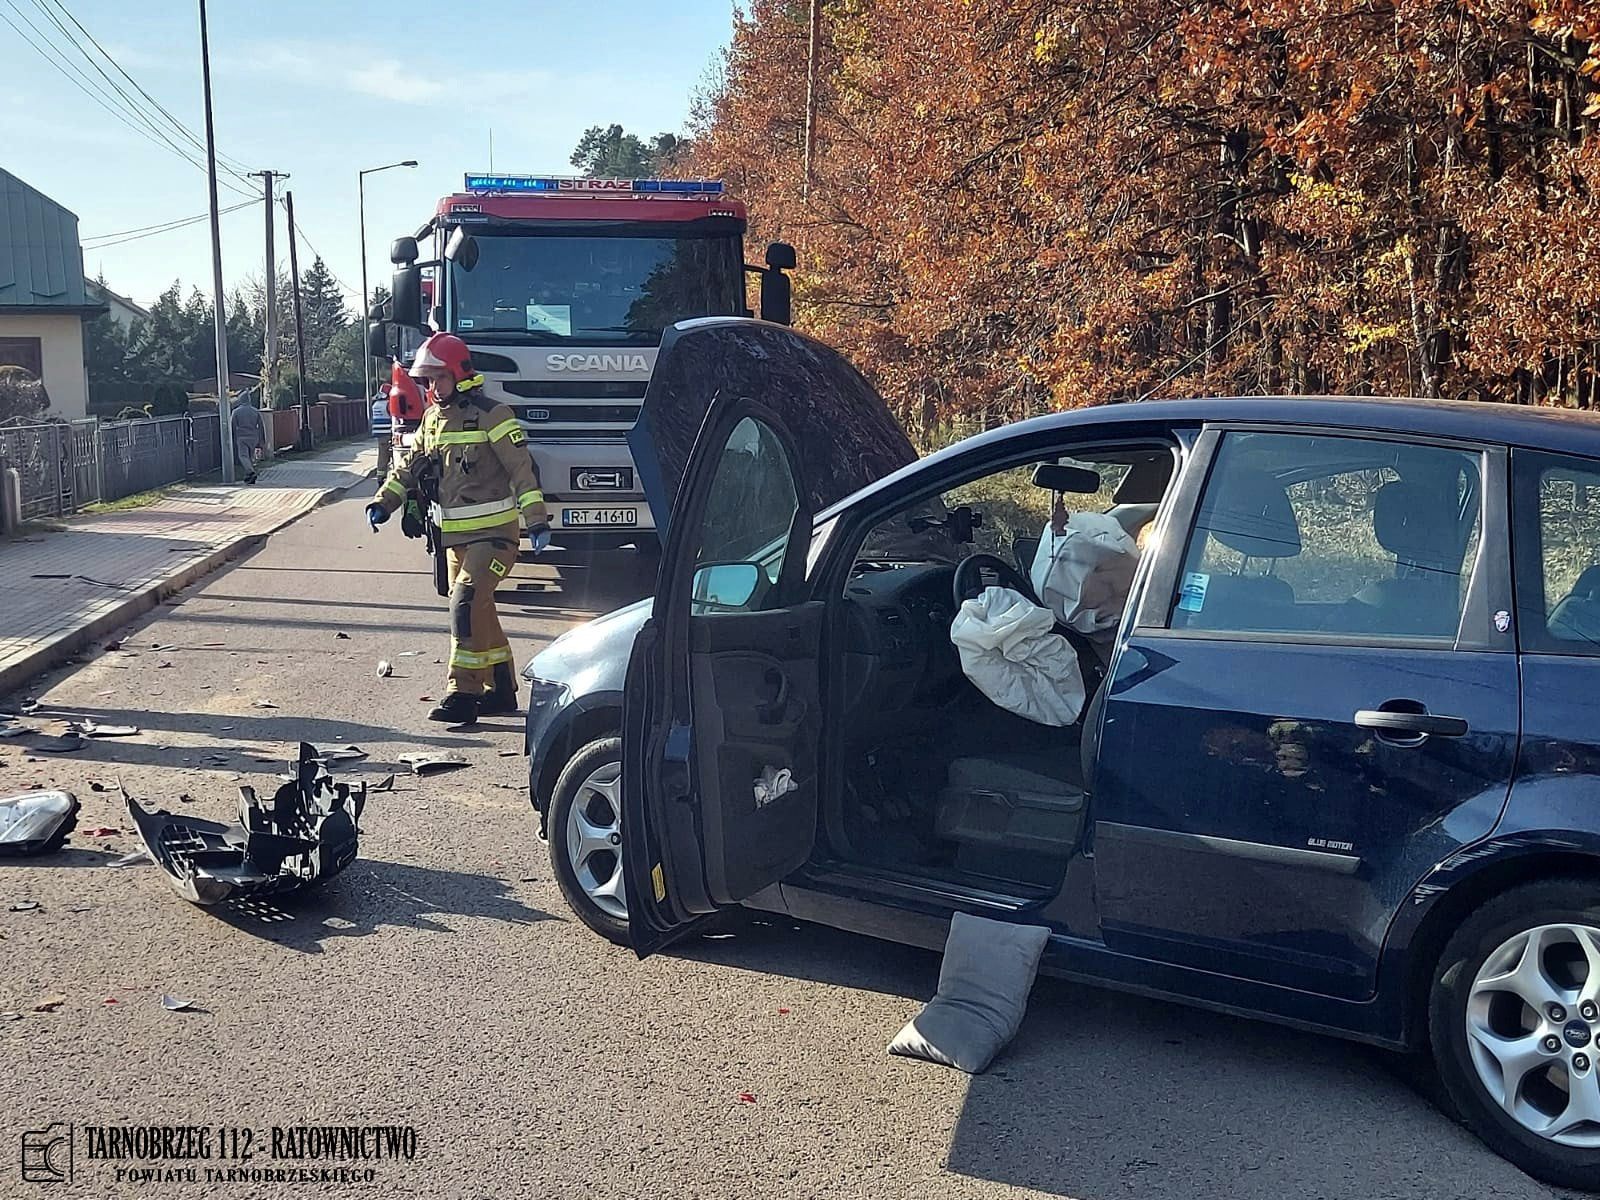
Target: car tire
pixel 1525 950
pixel 585 804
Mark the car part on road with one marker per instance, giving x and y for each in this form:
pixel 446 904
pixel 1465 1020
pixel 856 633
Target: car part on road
pixel 385 668
pixel 25 906
pixel 88 728
pixel 66 744
pixel 585 824
pixel 1515 1024
pixel 175 1004
pixel 984 981
pixel 304 835
pixel 432 762
pixel 36 822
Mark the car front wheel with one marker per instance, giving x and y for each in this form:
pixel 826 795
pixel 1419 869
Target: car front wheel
pixel 585 832
pixel 1515 1025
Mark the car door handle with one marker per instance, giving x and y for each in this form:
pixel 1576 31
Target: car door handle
pixel 771 712
pixel 1384 720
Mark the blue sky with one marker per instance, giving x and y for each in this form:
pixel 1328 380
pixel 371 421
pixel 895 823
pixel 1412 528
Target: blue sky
pixel 323 89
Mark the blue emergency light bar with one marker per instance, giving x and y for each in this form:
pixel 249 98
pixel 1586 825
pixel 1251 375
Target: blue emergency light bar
pixel 566 186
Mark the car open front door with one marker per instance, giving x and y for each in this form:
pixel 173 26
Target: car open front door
pixel 759 428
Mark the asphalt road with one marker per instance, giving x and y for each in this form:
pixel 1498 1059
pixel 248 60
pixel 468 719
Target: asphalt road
pixel 439 982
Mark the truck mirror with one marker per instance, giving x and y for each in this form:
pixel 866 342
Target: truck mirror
pixel 462 249
pixel 405 295
pixel 379 311
pixel 378 340
pixel 403 251
pixel 776 298
pixel 780 256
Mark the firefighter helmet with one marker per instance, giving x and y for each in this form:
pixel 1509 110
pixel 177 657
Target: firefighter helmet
pixel 447 352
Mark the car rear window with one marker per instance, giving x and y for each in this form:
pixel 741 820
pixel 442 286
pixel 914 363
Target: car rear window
pixel 1556 515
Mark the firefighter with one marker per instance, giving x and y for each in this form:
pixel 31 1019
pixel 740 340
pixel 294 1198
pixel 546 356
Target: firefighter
pixel 485 478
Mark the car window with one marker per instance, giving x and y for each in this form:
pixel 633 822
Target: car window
pixel 744 529
pixel 1557 530
pixel 1310 534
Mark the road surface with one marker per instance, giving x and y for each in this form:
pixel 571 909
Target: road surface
pixel 440 984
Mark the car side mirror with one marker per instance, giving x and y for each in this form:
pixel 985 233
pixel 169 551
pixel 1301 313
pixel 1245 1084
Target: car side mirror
pixel 403 251
pixel 725 586
pixel 462 249
pixel 405 295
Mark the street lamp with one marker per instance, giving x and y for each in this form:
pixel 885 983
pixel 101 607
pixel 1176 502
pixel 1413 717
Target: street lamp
pixel 366 296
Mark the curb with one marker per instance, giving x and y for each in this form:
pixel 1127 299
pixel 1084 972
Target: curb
pixel 63 646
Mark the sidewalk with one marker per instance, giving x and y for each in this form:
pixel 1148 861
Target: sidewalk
pixel 61 591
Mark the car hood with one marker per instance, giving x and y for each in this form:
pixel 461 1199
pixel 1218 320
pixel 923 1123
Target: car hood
pixel 597 650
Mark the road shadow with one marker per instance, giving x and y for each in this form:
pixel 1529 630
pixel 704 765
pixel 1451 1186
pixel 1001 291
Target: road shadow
pixel 372 894
pixel 1103 1095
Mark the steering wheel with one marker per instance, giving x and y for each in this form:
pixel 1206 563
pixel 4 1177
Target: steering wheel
pixel 979 571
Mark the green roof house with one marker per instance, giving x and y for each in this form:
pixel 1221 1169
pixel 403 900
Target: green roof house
pixel 43 300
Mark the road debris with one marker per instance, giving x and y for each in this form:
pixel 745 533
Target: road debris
pixel 91 729
pixel 747 1098
pixel 511 754
pixel 25 906
pixel 10 1016
pixel 174 1004
pixel 49 1003
pixel 11 729
pixel 432 762
pixel 409 653
pixel 36 822
pixel 138 858
pixel 101 831
pixel 385 668
pixel 386 784
pixel 265 704
pixel 66 744
pixel 343 754
pixel 341 636
pixel 305 834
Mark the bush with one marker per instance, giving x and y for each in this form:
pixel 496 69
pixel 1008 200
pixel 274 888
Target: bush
pixel 21 395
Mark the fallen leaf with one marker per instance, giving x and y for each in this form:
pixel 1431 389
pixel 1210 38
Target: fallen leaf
pixel 49 1004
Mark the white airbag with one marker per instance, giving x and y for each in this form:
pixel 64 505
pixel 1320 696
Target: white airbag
pixel 1084 574
pixel 1011 653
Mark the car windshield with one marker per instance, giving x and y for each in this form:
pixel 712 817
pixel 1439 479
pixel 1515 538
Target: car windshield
pixel 552 290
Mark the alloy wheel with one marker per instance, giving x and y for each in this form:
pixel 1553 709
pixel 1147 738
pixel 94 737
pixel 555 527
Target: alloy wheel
pixel 1533 1031
pixel 594 840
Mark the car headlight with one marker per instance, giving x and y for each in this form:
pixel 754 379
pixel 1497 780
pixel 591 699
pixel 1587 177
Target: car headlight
pixel 545 692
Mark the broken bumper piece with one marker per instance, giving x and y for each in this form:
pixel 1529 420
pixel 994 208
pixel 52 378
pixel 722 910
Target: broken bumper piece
pixel 304 835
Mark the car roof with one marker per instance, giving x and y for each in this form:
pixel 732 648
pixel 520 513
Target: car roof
pixel 1561 430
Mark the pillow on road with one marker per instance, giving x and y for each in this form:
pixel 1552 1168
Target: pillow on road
pixel 988 971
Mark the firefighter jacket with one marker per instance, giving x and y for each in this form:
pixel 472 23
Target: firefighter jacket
pixel 485 475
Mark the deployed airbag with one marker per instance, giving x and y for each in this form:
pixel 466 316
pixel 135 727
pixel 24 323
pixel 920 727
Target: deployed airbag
pixel 304 835
pixel 1084 574
pixel 1011 653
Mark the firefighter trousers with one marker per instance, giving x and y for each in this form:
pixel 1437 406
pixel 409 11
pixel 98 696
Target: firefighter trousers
pixel 479 651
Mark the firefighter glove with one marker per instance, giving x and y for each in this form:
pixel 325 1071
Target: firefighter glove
pixel 539 536
pixel 376 515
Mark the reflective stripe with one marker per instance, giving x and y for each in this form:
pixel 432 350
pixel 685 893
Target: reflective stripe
pixel 505 429
pixel 394 488
pixel 528 498
pixel 463 437
pixel 469 660
pixel 500 654
pixel 478 510
pixel 470 524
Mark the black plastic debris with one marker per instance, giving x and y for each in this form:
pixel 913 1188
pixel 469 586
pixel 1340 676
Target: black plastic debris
pixel 36 822
pixel 304 835
pixel 69 743
pixel 433 762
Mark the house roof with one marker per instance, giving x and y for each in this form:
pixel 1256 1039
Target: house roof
pixel 98 291
pixel 41 262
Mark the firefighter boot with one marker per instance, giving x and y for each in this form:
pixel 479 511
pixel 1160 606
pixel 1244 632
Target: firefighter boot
pixel 501 699
pixel 457 708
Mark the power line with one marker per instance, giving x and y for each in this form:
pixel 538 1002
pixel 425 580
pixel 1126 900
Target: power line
pixel 318 254
pixel 134 235
pixel 123 110
pixel 233 165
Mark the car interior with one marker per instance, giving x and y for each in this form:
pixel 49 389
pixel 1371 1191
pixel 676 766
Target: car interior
pixel 940 781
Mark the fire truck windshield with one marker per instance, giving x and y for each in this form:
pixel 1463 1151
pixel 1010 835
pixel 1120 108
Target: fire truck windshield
pixel 552 290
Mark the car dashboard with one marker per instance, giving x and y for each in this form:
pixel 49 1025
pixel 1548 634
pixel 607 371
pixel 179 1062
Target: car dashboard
pixel 896 630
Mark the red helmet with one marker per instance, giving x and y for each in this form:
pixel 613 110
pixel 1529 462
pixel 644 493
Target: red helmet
pixel 447 351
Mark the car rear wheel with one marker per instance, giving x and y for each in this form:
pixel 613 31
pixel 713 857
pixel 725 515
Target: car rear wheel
pixel 1515 1024
pixel 586 838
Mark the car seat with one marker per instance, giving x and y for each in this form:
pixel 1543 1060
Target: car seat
pixel 1421 527
pixel 1577 617
pixel 1249 513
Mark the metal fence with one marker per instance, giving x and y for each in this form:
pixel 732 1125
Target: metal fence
pixel 64 466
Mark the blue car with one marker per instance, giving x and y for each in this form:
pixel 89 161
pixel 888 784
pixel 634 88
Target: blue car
pixel 1278 707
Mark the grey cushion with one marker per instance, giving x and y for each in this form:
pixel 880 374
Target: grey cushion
pixel 988 971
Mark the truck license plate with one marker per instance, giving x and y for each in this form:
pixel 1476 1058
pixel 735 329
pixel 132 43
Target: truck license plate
pixel 599 516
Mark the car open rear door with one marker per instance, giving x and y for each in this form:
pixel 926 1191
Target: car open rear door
pixel 747 432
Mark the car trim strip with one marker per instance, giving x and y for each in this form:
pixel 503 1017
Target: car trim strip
pixel 1282 856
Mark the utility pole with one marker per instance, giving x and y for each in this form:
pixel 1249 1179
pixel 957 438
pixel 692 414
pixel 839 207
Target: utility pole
pixel 366 296
pixel 305 441
pixel 269 354
pixel 811 95
pixel 224 411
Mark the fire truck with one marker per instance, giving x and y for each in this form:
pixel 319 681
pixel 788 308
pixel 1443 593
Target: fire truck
pixel 562 288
